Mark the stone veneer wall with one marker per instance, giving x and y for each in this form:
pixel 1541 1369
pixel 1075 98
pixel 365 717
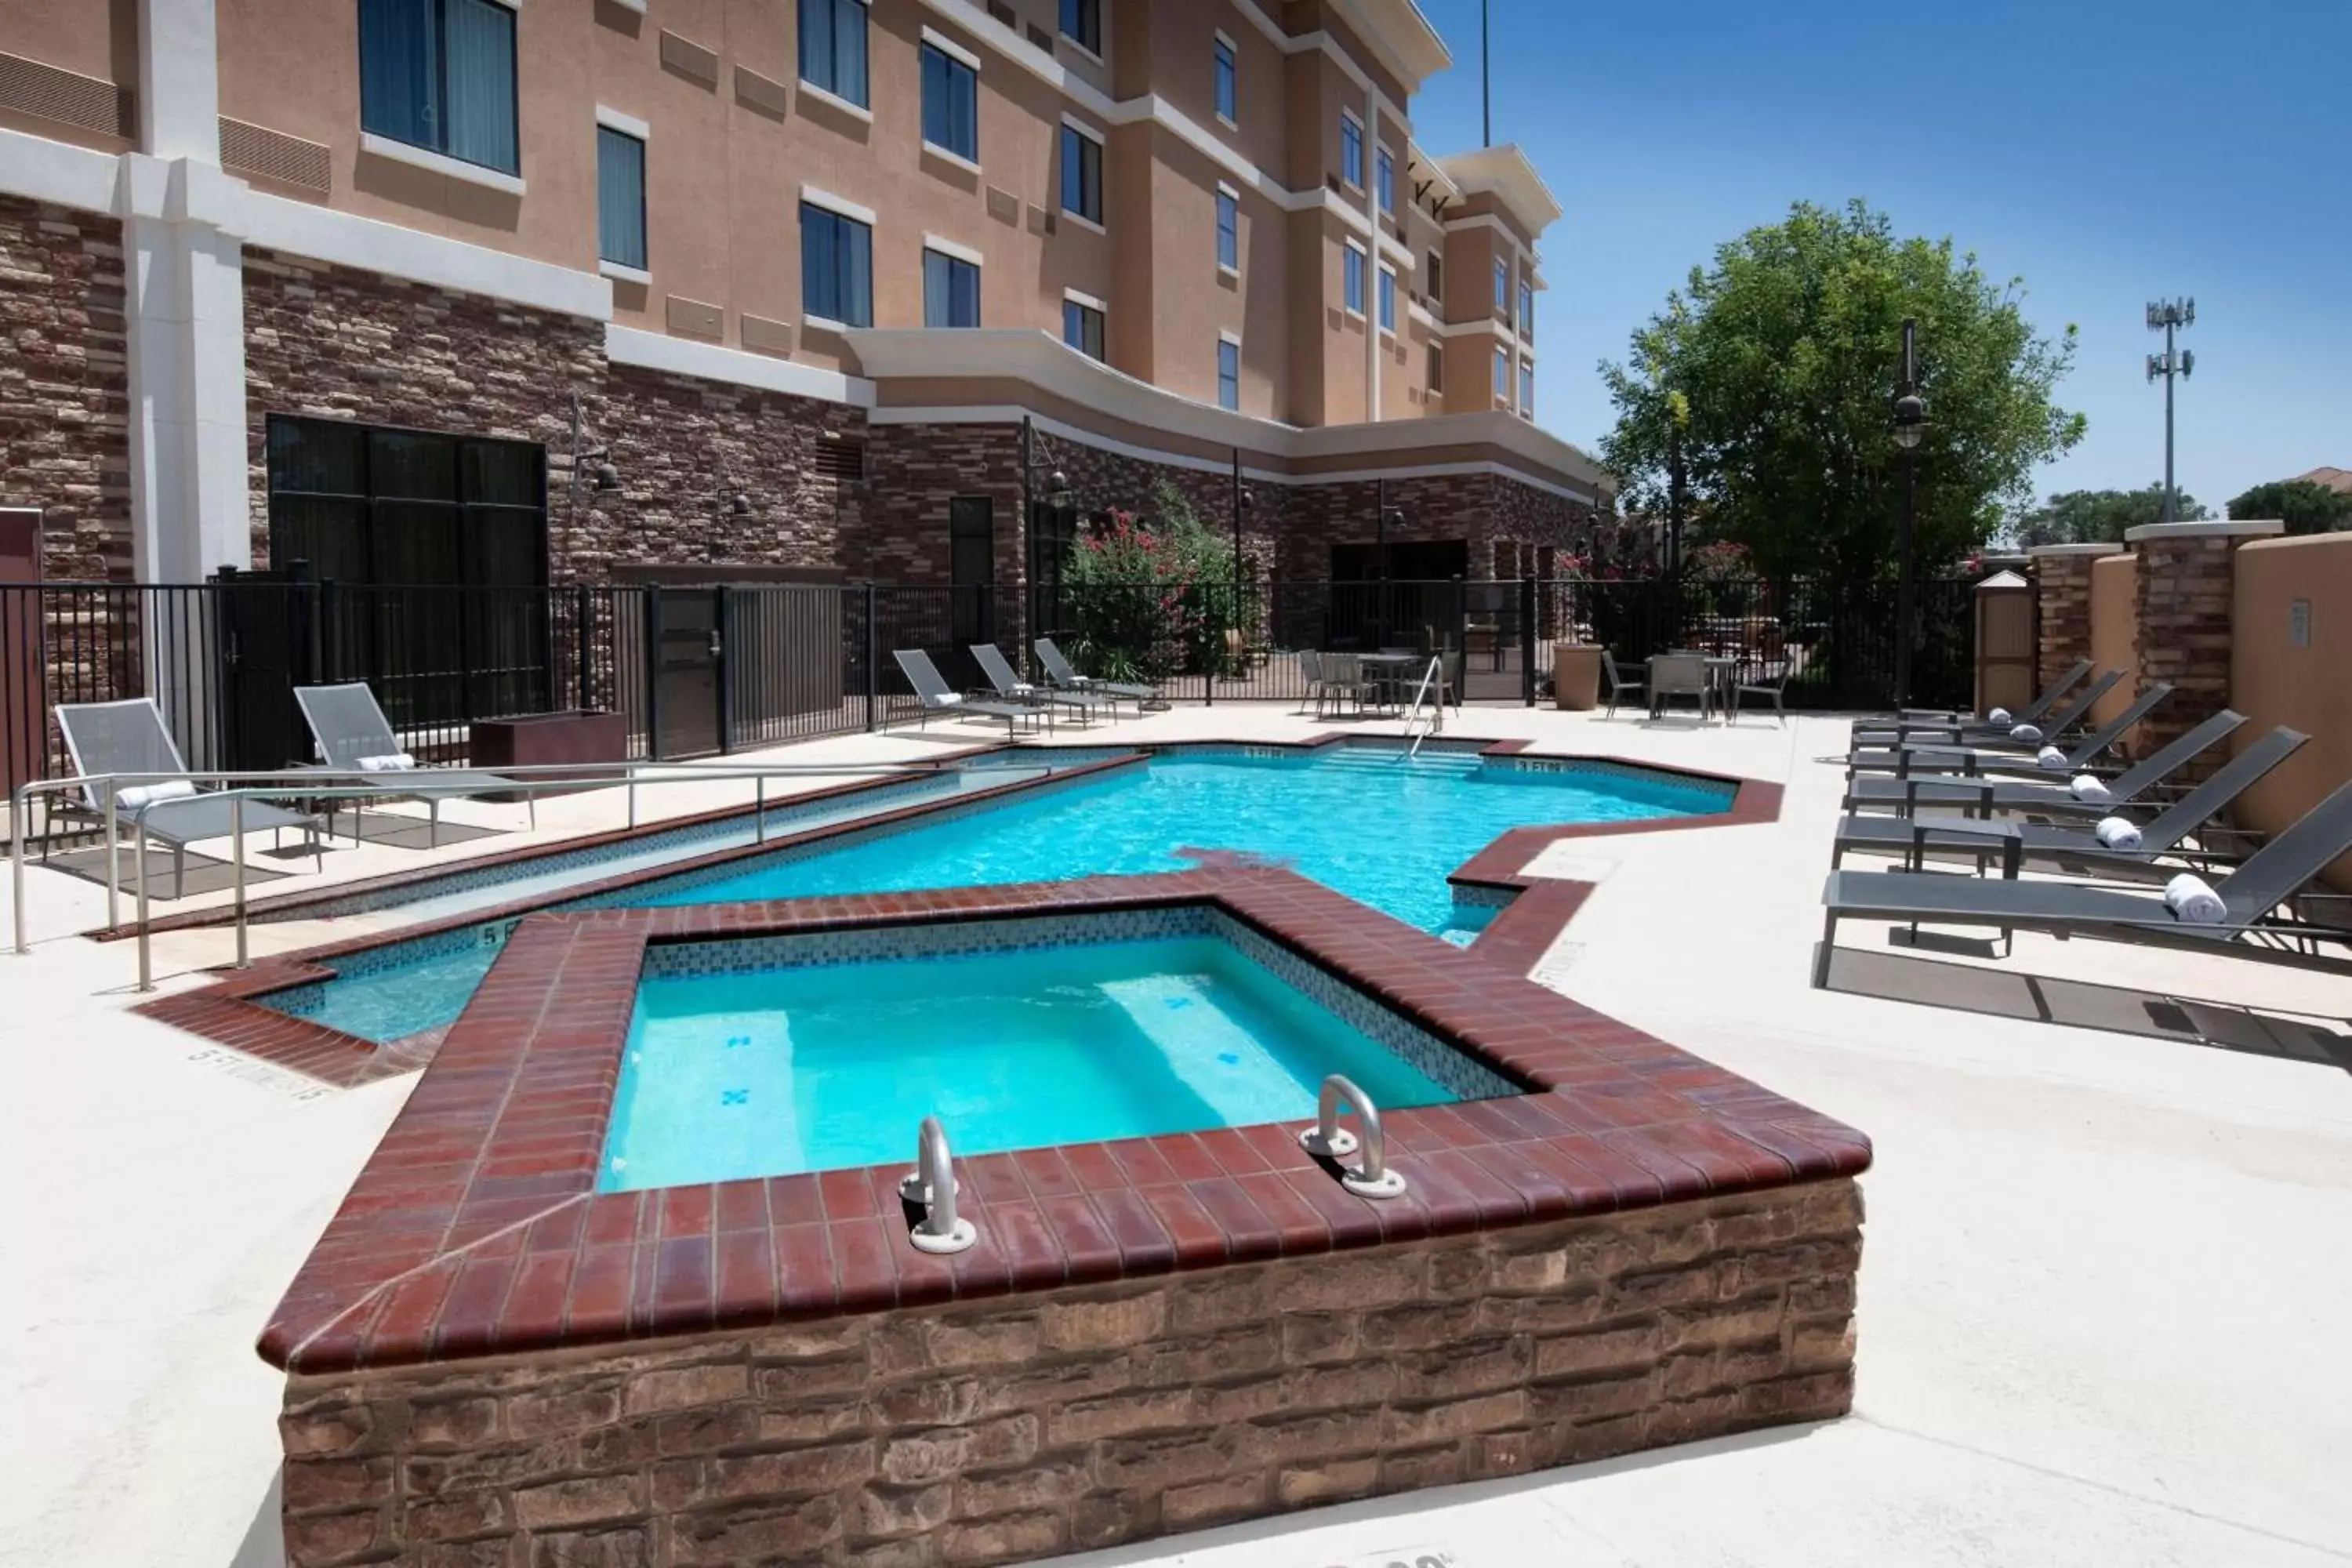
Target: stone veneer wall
pixel 2185 595
pixel 65 387
pixel 2061 586
pixel 995 1430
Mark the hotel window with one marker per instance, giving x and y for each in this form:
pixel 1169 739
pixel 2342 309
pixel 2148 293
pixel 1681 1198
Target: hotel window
pixel 1352 280
pixel 1436 366
pixel 1527 388
pixel 833 48
pixel 1229 373
pixel 1081 173
pixel 1502 284
pixel 951 104
pixel 1351 149
pixel 1527 309
pixel 1227 87
pixel 1388 300
pixel 1229 230
pixel 1385 179
pixel 836 267
pixel 951 290
pixel 1082 328
pixel 440 75
pixel 1503 377
pixel 1434 272
pixel 620 198
pixel 1082 24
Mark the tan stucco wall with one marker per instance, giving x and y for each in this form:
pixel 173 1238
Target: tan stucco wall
pixel 96 38
pixel 2114 633
pixel 2273 682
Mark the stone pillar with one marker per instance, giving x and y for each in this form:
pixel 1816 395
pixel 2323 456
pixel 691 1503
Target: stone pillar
pixel 2062 577
pixel 2185 587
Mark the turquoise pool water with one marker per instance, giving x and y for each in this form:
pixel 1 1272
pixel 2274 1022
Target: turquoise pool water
pixel 822 1065
pixel 1369 822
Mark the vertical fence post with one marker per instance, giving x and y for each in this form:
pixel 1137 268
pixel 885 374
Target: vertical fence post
pixel 1209 667
pixel 653 671
pixel 873 659
pixel 1528 641
pixel 722 644
pixel 581 615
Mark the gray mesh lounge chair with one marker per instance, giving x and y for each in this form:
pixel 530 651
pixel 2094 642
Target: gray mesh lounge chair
pixel 355 739
pixel 1063 673
pixel 128 738
pixel 936 696
pixel 1885 733
pixel 1973 736
pixel 2135 786
pixel 1012 689
pixel 2250 895
pixel 2084 755
pixel 2073 844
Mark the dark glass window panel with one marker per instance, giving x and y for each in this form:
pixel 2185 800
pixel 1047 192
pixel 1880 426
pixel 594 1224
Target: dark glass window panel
pixel 412 465
pixel 508 473
pixel 318 456
pixel 417 543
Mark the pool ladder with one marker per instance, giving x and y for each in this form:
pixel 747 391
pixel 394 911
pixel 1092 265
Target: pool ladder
pixel 1371 1176
pixel 1434 673
pixel 932 1186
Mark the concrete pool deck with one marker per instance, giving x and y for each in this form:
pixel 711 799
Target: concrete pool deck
pixel 2099 1307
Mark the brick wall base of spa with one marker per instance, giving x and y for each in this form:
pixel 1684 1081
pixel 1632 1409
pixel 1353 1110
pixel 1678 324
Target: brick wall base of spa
pixel 997 1430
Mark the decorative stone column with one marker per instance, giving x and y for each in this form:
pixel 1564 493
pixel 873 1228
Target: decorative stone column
pixel 2185 571
pixel 2062 577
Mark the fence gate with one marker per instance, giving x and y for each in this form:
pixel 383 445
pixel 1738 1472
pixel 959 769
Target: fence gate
pixel 263 650
pixel 686 649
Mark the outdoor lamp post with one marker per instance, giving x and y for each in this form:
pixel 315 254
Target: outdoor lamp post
pixel 1910 427
pixel 1057 496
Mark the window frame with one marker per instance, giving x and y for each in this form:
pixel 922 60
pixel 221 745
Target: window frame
pixel 1353 284
pixel 950 262
pixel 1386 297
pixel 643 261
pixel 1527 386
pixel 1384 181
pixel 809 312
pixel 1502 375
pixel 1229 229
pixel 1435 373
pixel 950 63
pixel 1502 283
pixel 1078 18
pixel 1073 134
pixel 1527 318
pixel 1229 380
pixel 1078 311
pixel 1351 149
pixel 1225 80
pixel 805 10
pixel 440 146
pixel 1434 265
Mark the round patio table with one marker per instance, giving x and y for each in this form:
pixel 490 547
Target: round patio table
pixel 1388 671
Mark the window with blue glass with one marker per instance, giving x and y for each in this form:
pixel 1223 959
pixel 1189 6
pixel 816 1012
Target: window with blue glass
pixel 1081 174
pixel 1228 93
pixel 1503 374
pixel 1385 179
pixel 1388 300
pixel 1082 328
pixel 620 198
pixel 440 74
pixel 1526 308
pixel 836 267
pixel 1527 388
pixel 1502 285
pixel 1229 373
pixel 1351 150
pixel 1229 230
pixel 951 104
pixel 950 291
pixel 1351 278
pixel 1082 24
pixel 833 48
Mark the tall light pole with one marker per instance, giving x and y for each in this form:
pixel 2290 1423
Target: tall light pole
pixel 1910 425
pixel 2169 316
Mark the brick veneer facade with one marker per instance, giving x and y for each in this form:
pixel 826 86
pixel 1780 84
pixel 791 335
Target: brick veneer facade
pixel 2061 586
pixel 992 1431
pixel 2184 607
pixel 64 386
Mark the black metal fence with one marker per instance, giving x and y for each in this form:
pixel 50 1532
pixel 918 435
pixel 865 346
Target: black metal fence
pixel 695 671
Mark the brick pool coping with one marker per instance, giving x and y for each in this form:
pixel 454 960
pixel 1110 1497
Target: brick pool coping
pixel 475 1228
pixel 227 1013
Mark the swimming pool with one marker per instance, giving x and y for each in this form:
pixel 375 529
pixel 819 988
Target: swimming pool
pixel 1371 822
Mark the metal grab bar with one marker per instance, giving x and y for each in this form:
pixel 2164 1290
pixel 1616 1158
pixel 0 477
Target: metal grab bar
pixel 932 1184
pixel 1437 714
pixel 1370 1177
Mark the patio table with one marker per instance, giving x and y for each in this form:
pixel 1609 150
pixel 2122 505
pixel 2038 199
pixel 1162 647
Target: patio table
pixel 1387 671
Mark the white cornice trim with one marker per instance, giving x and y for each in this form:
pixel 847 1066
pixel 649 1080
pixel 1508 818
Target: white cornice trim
pixel 1088 300
pixel 739 367
pixel 2206 528
pixel 950 48
pixel 956 248
pixel 346 239
pixel 816 197
pixel 40 170
pixel 626 124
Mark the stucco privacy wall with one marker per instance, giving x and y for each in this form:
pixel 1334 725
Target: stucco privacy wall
pixel 2115 635
pixel 2275 679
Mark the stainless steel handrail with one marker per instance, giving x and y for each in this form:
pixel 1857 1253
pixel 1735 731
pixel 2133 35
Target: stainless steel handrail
pixel 1437 721
pixel 932 1184
pixel 1327 1139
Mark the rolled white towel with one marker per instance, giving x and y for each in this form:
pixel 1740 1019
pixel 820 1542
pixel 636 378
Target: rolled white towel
pixel 2117 832
pixel 140 796
pixel 2193 902
pixel 2026 732
pixel 391 762
pixel 1998 716
pixel 2088 788
pixel 2050 757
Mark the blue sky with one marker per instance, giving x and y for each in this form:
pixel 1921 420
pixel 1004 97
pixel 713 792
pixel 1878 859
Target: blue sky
pixel 2109 152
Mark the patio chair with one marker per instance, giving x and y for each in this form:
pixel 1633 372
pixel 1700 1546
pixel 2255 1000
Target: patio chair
pixel 1063 673
pixel 1911 718
pixel 2270 878
pixel 934 695
pixel 1310 675
pixel 2135 786
pixel 1681 674
pixel 1344 680
pixel 2075 846
pixel 1623 688
pixel 1917 757
pixel 128 739
pixel 1012 689
pixel 1775 686
pixel 354 737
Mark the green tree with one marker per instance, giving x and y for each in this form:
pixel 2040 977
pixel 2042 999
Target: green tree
pixel 1760 401
pixel 2307 506
pixel 2098 517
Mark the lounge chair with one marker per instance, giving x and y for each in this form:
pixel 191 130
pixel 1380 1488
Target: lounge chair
pixel 1910 718
pixel 2267 879
pixel 934 695
pixel 1012 689
pixel 356 741
pixel 127 741
pixel 1623 688
pixel 1927 757
pixel 1063 673
pixel 2073 844
pixel 2136 784
pixel 1974 735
